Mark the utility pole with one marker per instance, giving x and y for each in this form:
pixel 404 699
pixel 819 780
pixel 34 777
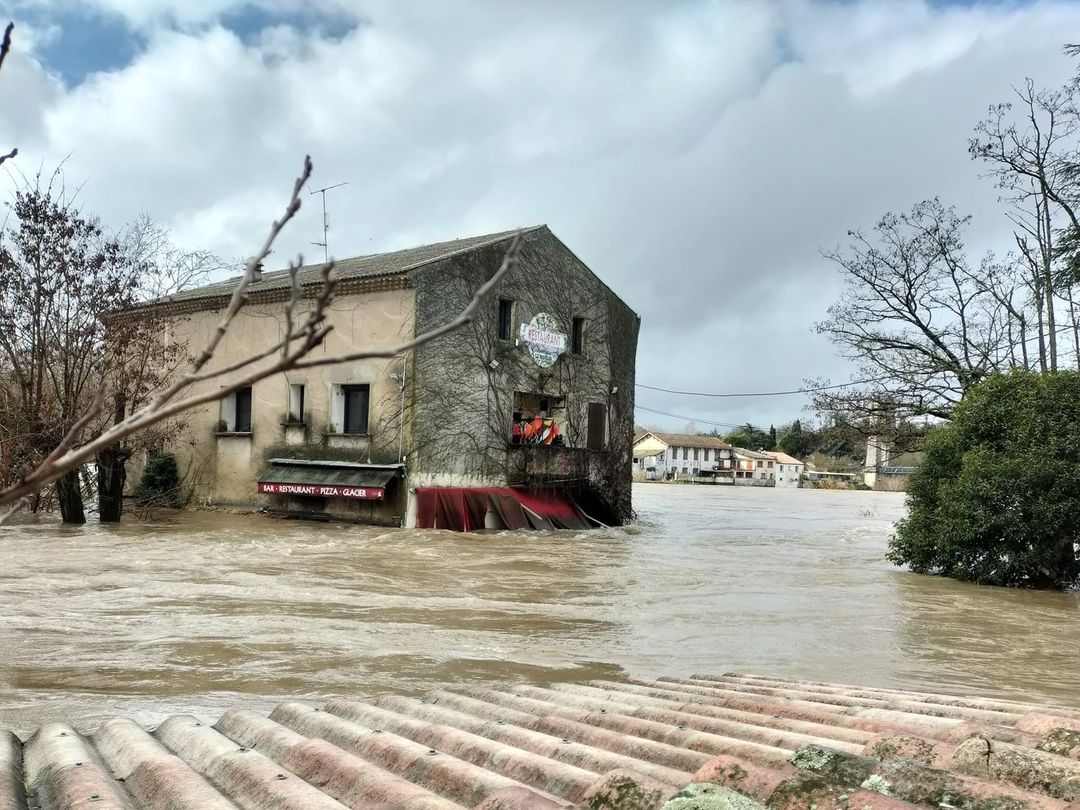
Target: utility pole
pixel 325 220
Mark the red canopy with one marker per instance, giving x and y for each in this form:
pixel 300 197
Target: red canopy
pixel 464 509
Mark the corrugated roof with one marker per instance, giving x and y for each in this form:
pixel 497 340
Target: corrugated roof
pixel 296 471
pixel 759 455
pixel 705 741
pixel 689 440
pixel 373 266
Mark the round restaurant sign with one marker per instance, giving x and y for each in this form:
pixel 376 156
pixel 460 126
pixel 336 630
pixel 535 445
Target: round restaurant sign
pixel 544 339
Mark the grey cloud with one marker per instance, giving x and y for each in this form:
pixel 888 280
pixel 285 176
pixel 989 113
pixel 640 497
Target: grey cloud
pixel 697 155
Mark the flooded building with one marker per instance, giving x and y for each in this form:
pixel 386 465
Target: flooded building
pixel 524 418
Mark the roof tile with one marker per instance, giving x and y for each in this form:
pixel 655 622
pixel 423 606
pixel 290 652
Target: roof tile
pixel 780 743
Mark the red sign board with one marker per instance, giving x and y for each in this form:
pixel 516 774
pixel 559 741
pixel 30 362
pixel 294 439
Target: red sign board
pixel 323 491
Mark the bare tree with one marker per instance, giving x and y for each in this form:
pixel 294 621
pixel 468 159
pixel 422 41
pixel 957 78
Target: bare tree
pixel 59 272
pixel 5 48
pixel 921 324
pixel 1029 149
pixel 137 361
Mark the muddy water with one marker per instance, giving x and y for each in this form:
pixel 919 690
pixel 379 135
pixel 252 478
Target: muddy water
pixel 210 610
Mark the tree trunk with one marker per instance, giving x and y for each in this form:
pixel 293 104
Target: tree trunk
pixel 111 477
pixel 69 494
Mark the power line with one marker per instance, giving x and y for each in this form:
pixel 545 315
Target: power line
pixel 764 393
pixel 686 418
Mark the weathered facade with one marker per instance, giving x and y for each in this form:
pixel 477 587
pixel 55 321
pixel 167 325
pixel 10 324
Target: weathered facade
pixel 358 440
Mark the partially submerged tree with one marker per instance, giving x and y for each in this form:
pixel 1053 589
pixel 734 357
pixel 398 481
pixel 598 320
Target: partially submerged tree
pixel 59 273
pixel 997 497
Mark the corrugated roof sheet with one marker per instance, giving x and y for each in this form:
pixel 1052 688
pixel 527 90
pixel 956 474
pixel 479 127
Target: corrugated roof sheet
pixel 731 741
pixel 379 264
pixel 290 471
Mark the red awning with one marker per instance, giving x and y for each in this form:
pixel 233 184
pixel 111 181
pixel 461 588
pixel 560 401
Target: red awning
pixel 464 509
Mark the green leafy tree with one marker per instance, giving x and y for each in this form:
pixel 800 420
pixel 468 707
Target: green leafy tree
pixel 160 483
pixel 750 438
pixel 996 499
pixel 798 442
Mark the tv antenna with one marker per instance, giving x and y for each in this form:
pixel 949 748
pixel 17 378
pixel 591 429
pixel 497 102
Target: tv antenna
pixel 325 220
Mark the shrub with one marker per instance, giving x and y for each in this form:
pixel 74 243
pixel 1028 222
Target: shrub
pixel 996 499
pixel 160 482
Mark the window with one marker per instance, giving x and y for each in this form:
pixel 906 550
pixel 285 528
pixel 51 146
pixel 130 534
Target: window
pixel 596 433
pixel 705 454
pixel 237 412
pixel 296 402
pixel 356 408
pixel 770 465
pixel 760 464
pixel 506 318
pixel 695 454
pixel 577 336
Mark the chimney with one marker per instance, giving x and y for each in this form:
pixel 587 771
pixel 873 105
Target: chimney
pixel 256 272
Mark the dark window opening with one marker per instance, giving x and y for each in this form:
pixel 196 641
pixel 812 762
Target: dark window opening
pixel 685 453
pixel 695 454
pixel 596 438
pixel 296 402
pixel 242 417
pixel 577 336
pixel 356 408
pixel 506 318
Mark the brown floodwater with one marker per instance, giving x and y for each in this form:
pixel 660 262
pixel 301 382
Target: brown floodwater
pixel 207 610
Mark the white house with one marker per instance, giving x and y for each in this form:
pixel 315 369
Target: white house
pixel 667 456
pixel 788 470
pixel 753 466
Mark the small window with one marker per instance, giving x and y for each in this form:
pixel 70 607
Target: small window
pixel 356 408
pixel 695 454
pixel 705 454
pixel 577 336
pixel 242 414
pixel 506 318
pixel 685 453
pixel 296 402
pixel 770 465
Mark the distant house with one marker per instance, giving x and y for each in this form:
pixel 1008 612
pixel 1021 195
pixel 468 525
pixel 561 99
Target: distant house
pixel 753 466
pixel 671 456
pixel 788 471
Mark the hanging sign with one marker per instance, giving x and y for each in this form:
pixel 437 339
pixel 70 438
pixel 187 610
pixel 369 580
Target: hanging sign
pixel 544 339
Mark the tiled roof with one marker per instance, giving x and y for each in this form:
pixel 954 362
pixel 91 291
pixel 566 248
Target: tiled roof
pixel 373 266
pixel 735 741
pixel 783 458
pixel 689 440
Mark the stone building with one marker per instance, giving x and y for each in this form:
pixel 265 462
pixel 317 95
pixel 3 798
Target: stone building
pixel 523 418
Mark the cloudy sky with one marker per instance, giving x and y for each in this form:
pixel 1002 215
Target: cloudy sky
pixel 696 154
